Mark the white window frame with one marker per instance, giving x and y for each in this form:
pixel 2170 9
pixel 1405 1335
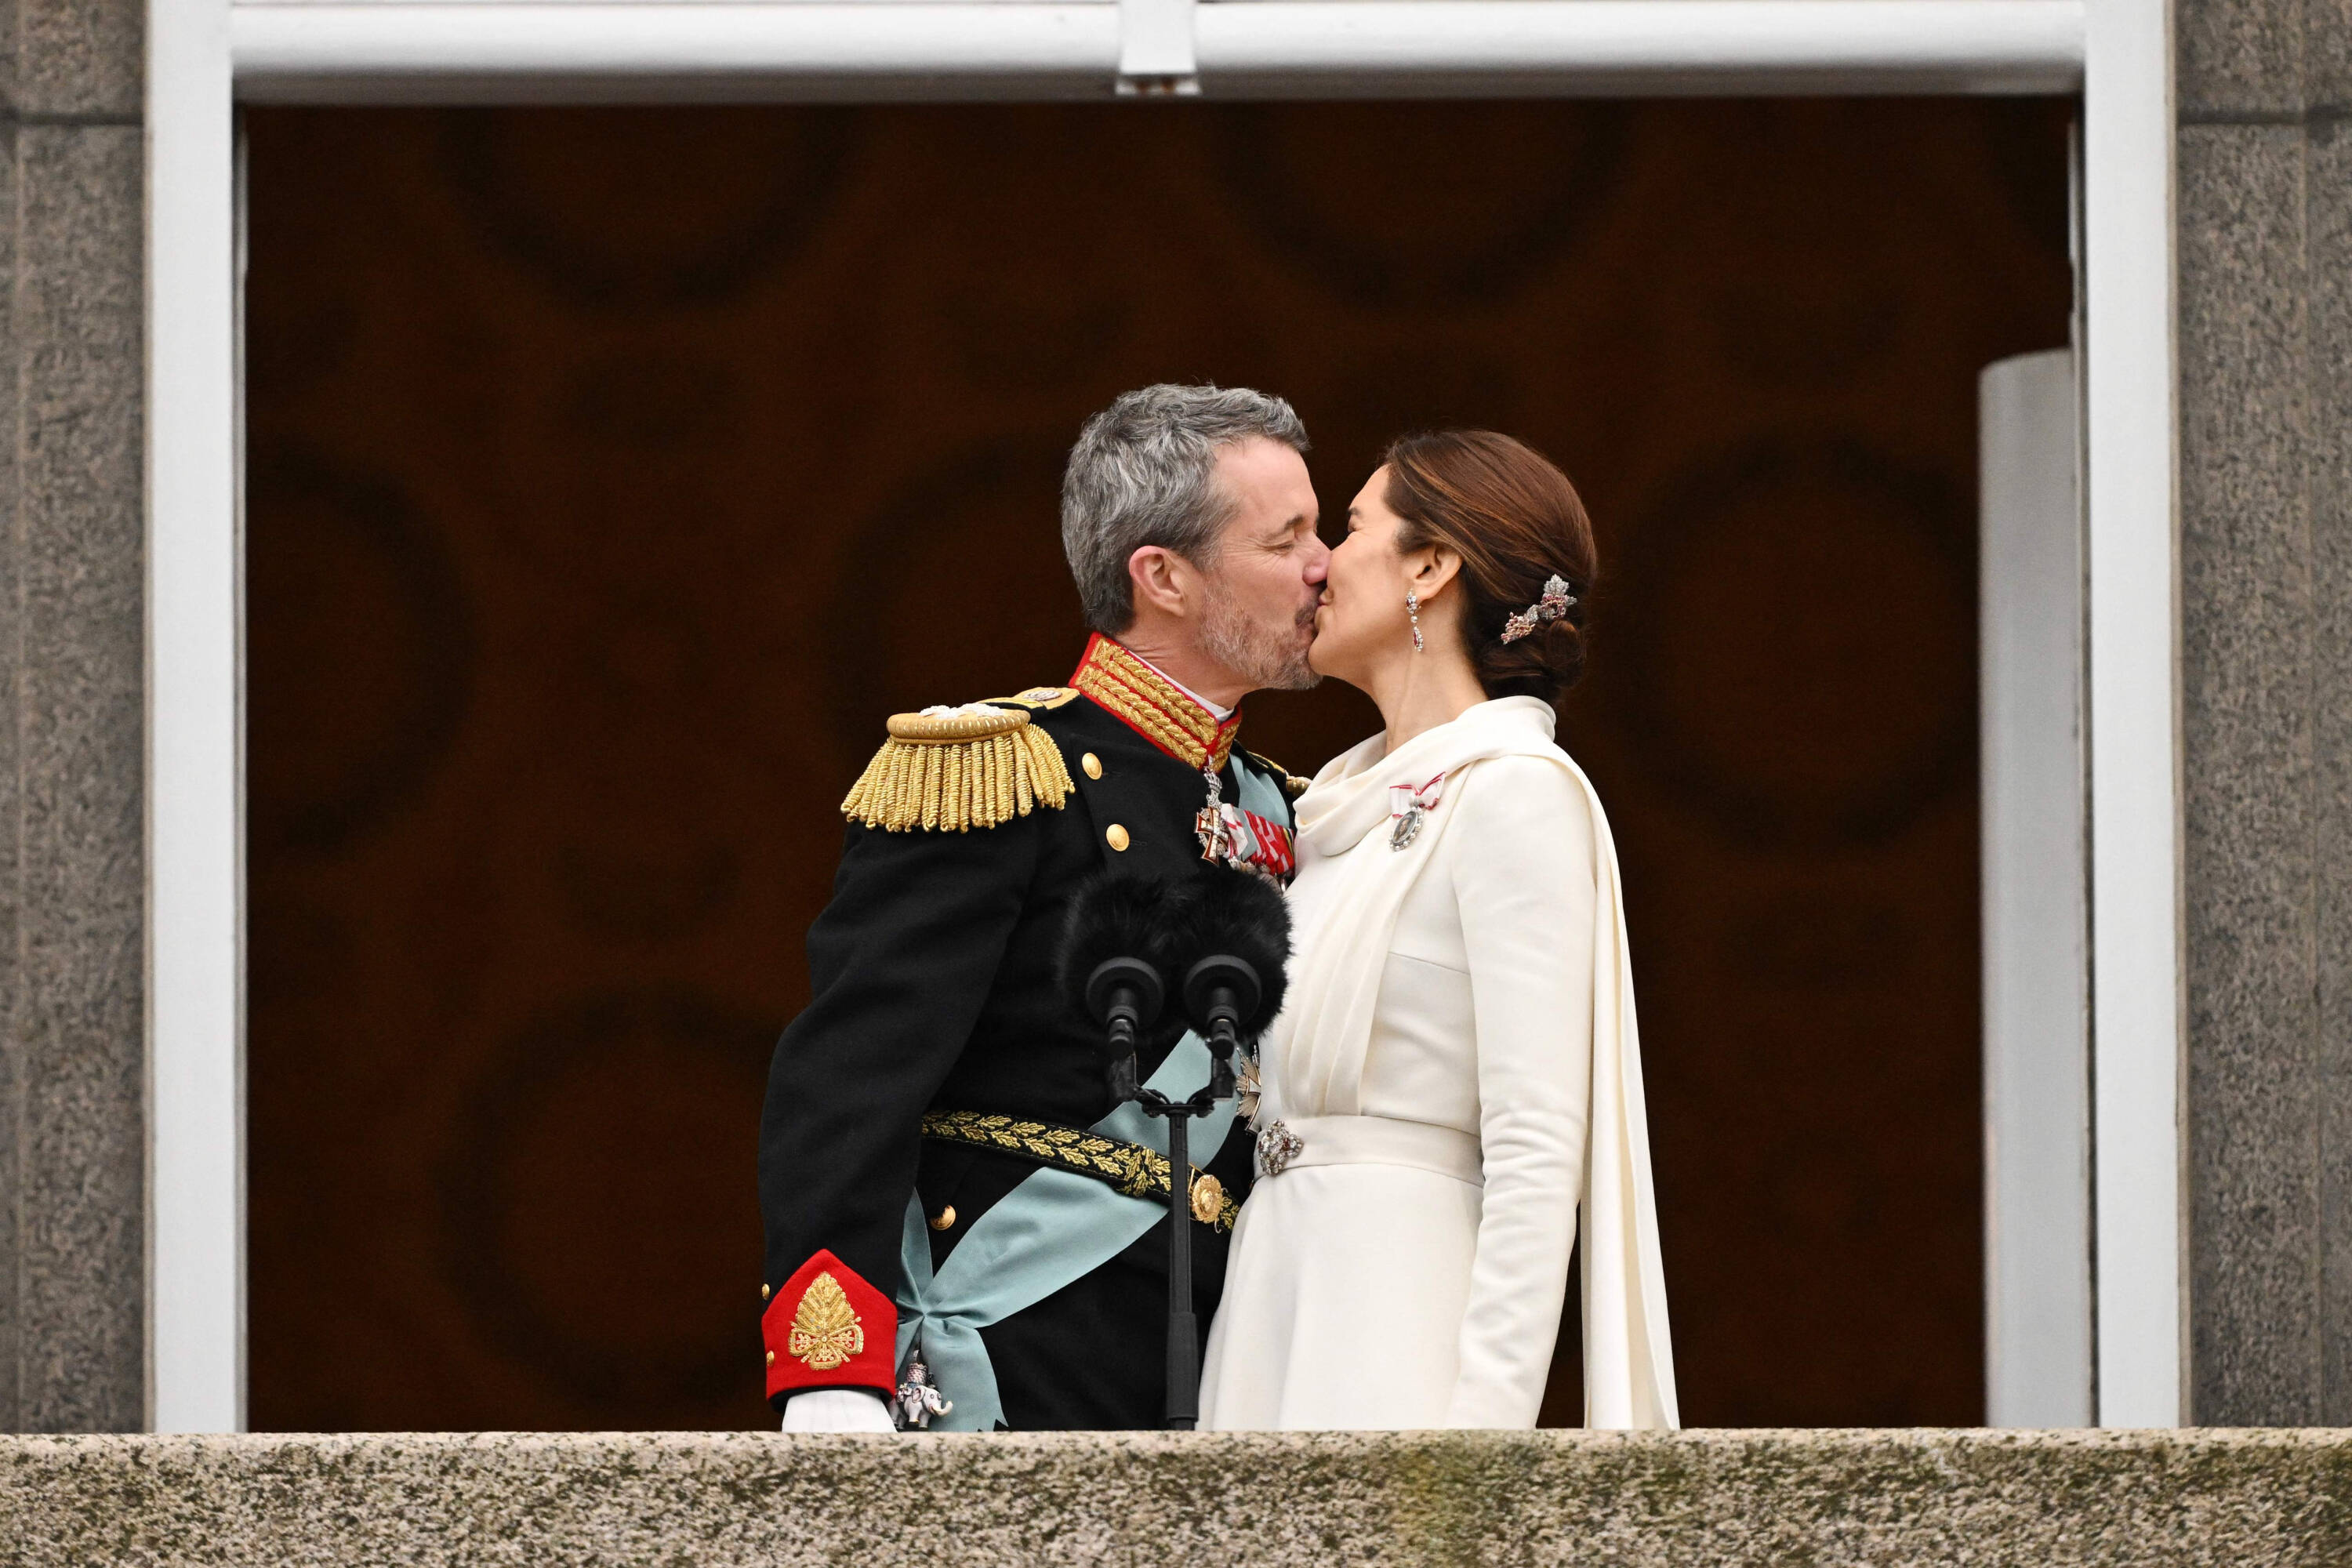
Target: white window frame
pixel 203 55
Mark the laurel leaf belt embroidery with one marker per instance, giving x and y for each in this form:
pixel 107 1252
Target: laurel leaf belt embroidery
pixel 1128 1168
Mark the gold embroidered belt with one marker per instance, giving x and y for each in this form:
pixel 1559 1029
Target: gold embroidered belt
pixel 1131 1168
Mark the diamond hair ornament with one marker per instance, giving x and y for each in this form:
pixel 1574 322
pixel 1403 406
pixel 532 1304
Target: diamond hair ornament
pixel 1551 608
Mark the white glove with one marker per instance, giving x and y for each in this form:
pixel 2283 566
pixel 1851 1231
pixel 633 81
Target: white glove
pixel 837 1410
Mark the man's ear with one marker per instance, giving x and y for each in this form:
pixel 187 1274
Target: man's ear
pixel 1162 579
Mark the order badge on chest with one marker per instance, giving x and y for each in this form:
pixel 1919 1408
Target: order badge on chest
pixel 1409 808
pixel 1246 839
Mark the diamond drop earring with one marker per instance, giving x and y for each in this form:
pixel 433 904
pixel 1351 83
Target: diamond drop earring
pixel 1412 608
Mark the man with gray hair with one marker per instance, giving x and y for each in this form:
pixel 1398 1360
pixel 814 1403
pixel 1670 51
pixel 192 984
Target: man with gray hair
pixel 1161 472
pixel 962 1230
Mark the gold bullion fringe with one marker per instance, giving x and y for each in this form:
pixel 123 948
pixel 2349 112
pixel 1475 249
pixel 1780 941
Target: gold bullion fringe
pixel 1128 1168
pixel 953 785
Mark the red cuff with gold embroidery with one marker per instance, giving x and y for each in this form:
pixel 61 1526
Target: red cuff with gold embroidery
pixel 827 1328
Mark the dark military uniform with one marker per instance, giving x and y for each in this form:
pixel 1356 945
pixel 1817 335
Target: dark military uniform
pixel 932 989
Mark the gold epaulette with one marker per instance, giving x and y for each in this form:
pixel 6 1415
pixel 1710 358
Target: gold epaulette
pixel 1046 697
pixel 1292 784
pixel 974 767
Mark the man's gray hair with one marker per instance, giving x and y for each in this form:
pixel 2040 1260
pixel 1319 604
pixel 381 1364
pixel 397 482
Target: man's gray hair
pixel 1143 472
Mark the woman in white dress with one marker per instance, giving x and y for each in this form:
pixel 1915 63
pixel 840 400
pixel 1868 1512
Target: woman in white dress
pixel 1455 1079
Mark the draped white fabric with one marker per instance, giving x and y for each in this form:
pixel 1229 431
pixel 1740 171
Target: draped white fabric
pixel 1476 979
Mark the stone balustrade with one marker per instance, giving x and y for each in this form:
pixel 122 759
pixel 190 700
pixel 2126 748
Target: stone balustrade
pixel 674 1499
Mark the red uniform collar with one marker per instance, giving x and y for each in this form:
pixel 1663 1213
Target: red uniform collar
pixel 1153 706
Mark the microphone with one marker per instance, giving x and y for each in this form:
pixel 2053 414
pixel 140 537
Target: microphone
pixel 1228 934
pixel 1125 995
pixel 1114 963
pixel 1237 930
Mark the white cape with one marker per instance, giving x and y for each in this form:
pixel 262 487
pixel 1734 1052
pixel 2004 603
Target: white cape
pixel 1336 979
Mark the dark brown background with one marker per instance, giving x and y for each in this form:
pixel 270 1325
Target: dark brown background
pixel 615 473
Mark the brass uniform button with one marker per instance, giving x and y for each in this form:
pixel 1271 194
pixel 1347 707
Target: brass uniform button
pixel 1116 836
pixel 771 1358
pixel 1092 763
pixel 944 1219
pixel 1208 1197
pixel 763 1292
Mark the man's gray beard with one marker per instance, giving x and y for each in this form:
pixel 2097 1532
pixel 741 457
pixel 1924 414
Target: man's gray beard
pixel 1267 662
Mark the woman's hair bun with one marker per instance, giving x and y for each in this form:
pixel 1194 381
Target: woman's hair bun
pixel 1517 522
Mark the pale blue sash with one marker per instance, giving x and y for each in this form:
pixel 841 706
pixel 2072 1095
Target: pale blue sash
pixel 1053 1229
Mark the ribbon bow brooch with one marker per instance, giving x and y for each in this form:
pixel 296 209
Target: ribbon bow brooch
pixel 1408 804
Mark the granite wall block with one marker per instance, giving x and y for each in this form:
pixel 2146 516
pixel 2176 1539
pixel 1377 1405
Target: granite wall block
pixel 72 716
pixel 2265 260
pixel 2327 56
pixel 78 59
pixel 2240 55
pixel 80 1171
pixel 2329 221
pixel 12 685
pixel 2246 676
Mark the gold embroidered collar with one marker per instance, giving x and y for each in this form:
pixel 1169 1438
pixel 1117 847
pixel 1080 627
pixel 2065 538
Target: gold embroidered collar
pixel 1153 706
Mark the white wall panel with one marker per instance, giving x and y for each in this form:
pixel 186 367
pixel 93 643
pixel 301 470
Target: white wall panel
pixel 2037 1087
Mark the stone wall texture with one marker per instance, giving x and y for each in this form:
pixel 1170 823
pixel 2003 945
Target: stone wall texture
pixel 72 727
pixel 2042 1499
pixel 2265 334
pixel 2265 342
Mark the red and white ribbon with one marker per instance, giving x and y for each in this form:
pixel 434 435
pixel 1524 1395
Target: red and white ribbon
pixel 1404 799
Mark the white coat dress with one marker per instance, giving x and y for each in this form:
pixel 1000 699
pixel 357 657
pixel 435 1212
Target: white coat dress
pixel 1457 1071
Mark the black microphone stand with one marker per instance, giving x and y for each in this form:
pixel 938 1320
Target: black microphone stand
pixel 1183 1323
pixel 1127 995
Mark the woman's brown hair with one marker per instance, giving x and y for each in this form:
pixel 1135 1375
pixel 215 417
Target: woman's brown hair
pixel 1515 520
